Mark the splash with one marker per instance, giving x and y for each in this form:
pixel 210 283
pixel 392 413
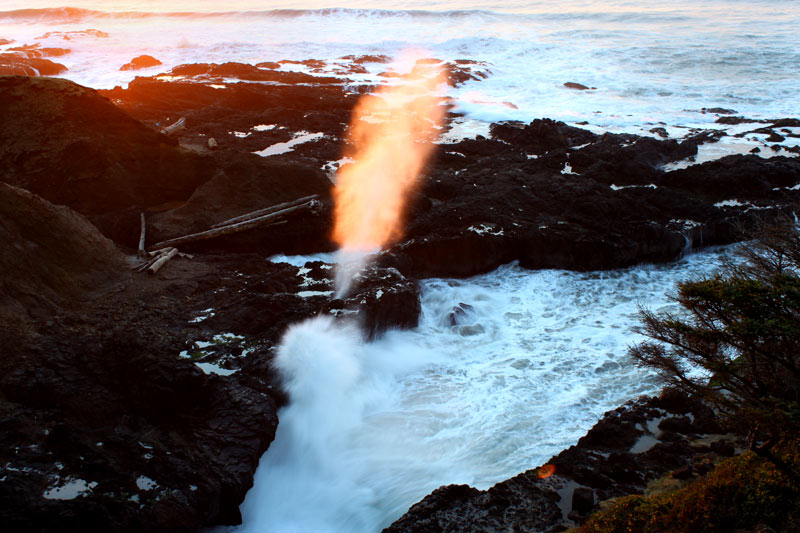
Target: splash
pixel 391 138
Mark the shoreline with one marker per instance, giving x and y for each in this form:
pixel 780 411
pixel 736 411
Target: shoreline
pixel 582 202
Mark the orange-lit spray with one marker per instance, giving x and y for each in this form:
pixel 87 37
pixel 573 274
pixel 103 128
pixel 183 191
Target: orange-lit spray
pixel 391 138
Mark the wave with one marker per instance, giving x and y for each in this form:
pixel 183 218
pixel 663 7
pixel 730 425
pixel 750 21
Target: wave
pixel 75 14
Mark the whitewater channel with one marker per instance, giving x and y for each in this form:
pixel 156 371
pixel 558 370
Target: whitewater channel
pixel 533 363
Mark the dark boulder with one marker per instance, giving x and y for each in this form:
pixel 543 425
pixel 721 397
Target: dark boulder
pixel 577 86
pixel 582 500
pixel 140 62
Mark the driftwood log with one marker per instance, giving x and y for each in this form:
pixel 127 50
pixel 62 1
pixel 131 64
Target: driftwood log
pixel 175 127
pixel 265 211
pixel 141 237
pixel 161 260
pixel 236 227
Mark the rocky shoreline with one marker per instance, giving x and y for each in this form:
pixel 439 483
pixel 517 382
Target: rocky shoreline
pixel 132 402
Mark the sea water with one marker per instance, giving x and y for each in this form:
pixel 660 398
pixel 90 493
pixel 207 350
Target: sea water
pixel 533 362
pixel 651 62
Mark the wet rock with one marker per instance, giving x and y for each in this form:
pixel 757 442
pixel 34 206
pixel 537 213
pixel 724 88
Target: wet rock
pixel 675 401
pixel 460 314
pixel 160 445
pixel 140 62
pixel 361 59
pixel 578 86
pixel 661 132
pixel 718 111
pixel 12 64
pixel 735 120
pixel 677 424
pixel 515 505
pixel 582 500
pixel 36 50
pixel 541 135
pixel 749 176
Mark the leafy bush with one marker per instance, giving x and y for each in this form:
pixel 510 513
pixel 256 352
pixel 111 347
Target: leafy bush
pixel 741 493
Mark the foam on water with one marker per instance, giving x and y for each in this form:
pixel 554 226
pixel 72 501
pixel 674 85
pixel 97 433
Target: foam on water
pixel 651 63
pixel 531 364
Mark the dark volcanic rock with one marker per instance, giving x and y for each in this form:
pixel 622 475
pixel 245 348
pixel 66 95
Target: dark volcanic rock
pixel 744 177
pixel 140 62
pixel 517 505
pixel 554 196
pixel 100 429
pixel 154 442
pixel 51 255
pixel 74 147
pixel 541 135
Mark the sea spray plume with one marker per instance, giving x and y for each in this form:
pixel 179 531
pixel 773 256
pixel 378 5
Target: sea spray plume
pixel 300 482
pixel 390 139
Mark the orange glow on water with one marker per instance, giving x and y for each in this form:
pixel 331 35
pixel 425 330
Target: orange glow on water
pixel 391 134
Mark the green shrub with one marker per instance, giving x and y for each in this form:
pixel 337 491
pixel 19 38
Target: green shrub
pixel 741 493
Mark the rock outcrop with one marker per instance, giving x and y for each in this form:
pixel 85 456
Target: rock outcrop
pixel 140 62
pixel 73 147
pixel 625 452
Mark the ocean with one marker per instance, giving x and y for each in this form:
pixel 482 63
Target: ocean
pixel 374 427
pixel 651 62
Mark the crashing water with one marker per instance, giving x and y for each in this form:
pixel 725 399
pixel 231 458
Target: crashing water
pixel 532 363
pixel 652 62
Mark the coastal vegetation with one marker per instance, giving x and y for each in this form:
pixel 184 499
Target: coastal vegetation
pixel 735 345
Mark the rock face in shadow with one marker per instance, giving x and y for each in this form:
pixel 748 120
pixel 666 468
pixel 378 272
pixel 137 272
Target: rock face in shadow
pixel 51 255
pixel 627 449
pixel 73 147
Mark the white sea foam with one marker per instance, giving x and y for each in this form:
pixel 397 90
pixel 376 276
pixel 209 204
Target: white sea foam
pixel 530 367
pixel 651 62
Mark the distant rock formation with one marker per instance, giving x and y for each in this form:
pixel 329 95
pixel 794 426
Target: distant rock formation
pixel 578 86
pixel 22 64
pixel 140 62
